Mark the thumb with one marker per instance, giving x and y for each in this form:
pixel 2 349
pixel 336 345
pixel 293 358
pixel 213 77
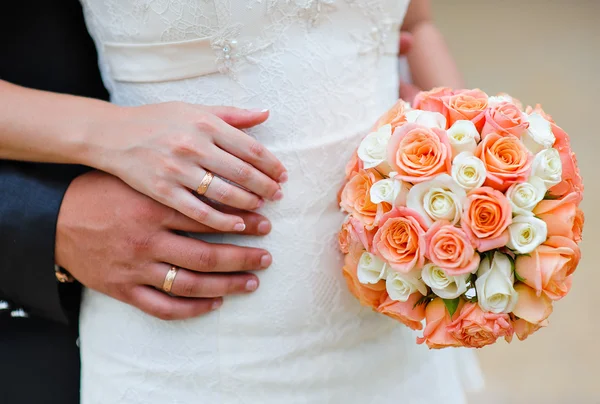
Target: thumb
pixel 238 117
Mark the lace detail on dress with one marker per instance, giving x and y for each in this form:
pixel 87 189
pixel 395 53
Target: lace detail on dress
pixel 301 337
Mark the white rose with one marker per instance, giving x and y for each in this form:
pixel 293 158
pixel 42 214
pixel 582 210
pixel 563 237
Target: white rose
pixel 438 199
pixel 373 149
pixel 526 234
pixel 446 287
pixel 468 171
pixel 426 118
pixel 499 99
pixel 371 269
pixel 390 190
pixel 539 135
pixel 525 196
pixel 494 285
pixel 548 167
pixel 400 286
pixel 463 137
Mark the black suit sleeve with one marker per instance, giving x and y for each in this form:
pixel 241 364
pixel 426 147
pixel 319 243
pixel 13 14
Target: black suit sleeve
pixel 29 206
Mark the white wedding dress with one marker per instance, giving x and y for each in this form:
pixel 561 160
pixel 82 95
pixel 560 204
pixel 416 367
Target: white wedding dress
pixel 326 69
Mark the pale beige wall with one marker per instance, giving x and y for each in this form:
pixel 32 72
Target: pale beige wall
pixel 546 52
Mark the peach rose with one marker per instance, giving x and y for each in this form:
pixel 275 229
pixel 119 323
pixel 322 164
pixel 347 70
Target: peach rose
pixel 504 119
pixel 400 240
pixel 432 100
pixel 418 153
pixel 571 178
pixel 549 267
pixel 486 218
pixel 354 166
pixel 405 312
pixel 346 238
pixel 506 160
pixel 562 216
pixel 524 329
pixel 438 319
pixel 395 116
pixel 449 248
pixel 474 328
pixel 368 294
pixel 356 198
pixel 466 105
pixel 531 307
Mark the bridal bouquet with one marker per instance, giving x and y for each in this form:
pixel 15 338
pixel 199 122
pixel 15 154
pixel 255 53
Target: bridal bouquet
pixel 463 211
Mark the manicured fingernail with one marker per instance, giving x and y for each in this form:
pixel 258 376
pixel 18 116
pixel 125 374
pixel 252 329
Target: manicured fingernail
pixel 278 196
pixel 265 261
pixel 261 111
pixel 251 285
pixel 216 304
pixel 239 227
pixel 283 178
pixel 264 227
pixel 260 203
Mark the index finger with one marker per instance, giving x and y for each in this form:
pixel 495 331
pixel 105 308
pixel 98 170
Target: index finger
pixel 250 150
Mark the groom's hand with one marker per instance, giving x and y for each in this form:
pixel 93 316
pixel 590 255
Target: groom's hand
pixel 122 243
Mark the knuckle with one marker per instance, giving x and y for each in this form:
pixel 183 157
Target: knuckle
pixel 243 172
pixel 200 213
pixel 257 150
pixel 207 258
pixel 141 244
pixel 163 189
pixel 205 122
pixel 223 193
pixel 183 144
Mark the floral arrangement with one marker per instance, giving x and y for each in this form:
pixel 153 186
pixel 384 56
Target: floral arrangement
pixel 463 214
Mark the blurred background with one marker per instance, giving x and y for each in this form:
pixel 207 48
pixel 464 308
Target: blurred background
pixel 548 52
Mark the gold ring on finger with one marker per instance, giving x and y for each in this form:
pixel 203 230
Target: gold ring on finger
pixel 169 279
pixel 205 183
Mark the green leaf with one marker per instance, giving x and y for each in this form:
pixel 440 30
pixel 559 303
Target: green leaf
pixel 422 300
pixel 512 263
pixel 550 197
pixel 519 277
pixel 451 305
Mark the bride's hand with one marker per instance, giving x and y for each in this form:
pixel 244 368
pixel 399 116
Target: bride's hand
pixel 164 151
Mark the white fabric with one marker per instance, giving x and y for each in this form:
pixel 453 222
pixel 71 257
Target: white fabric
pixel 326 69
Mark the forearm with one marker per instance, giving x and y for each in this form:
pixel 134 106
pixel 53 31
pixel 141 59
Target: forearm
pixel 40 126
pixel 430 61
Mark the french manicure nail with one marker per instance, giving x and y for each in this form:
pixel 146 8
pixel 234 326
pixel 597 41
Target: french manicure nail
pixel 260 204
pixel 283 178
pixel 239 227
pixel 260 111
pixel 216 304
pixel 265 261
pixel 251 285
pixel 264 227
pixel 278 196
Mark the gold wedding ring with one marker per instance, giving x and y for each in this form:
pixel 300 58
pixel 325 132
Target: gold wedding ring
pixel 169 279
pixel 205 183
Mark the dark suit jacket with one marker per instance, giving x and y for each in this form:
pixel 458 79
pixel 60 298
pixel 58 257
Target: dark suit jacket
pixel 44 45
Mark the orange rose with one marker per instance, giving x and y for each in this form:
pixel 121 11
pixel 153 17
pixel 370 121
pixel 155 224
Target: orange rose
pixel 549 267
pixel 506 160
pixel 524 329
pixel 532 311
pixel 486 217
pixel 466 105
pixel 449 248
pixel 571 178
pixel 438 319
pixel 432 100
pixel 474 328
pixel 405 312
pixel 354 166
pixel 504 119
pixel 395 116
pixel 400 240
pixel 418 153
pixel 562 216
pixel 356 198
pixel 368 294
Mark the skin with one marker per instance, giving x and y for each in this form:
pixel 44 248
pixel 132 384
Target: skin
pixel 118 232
